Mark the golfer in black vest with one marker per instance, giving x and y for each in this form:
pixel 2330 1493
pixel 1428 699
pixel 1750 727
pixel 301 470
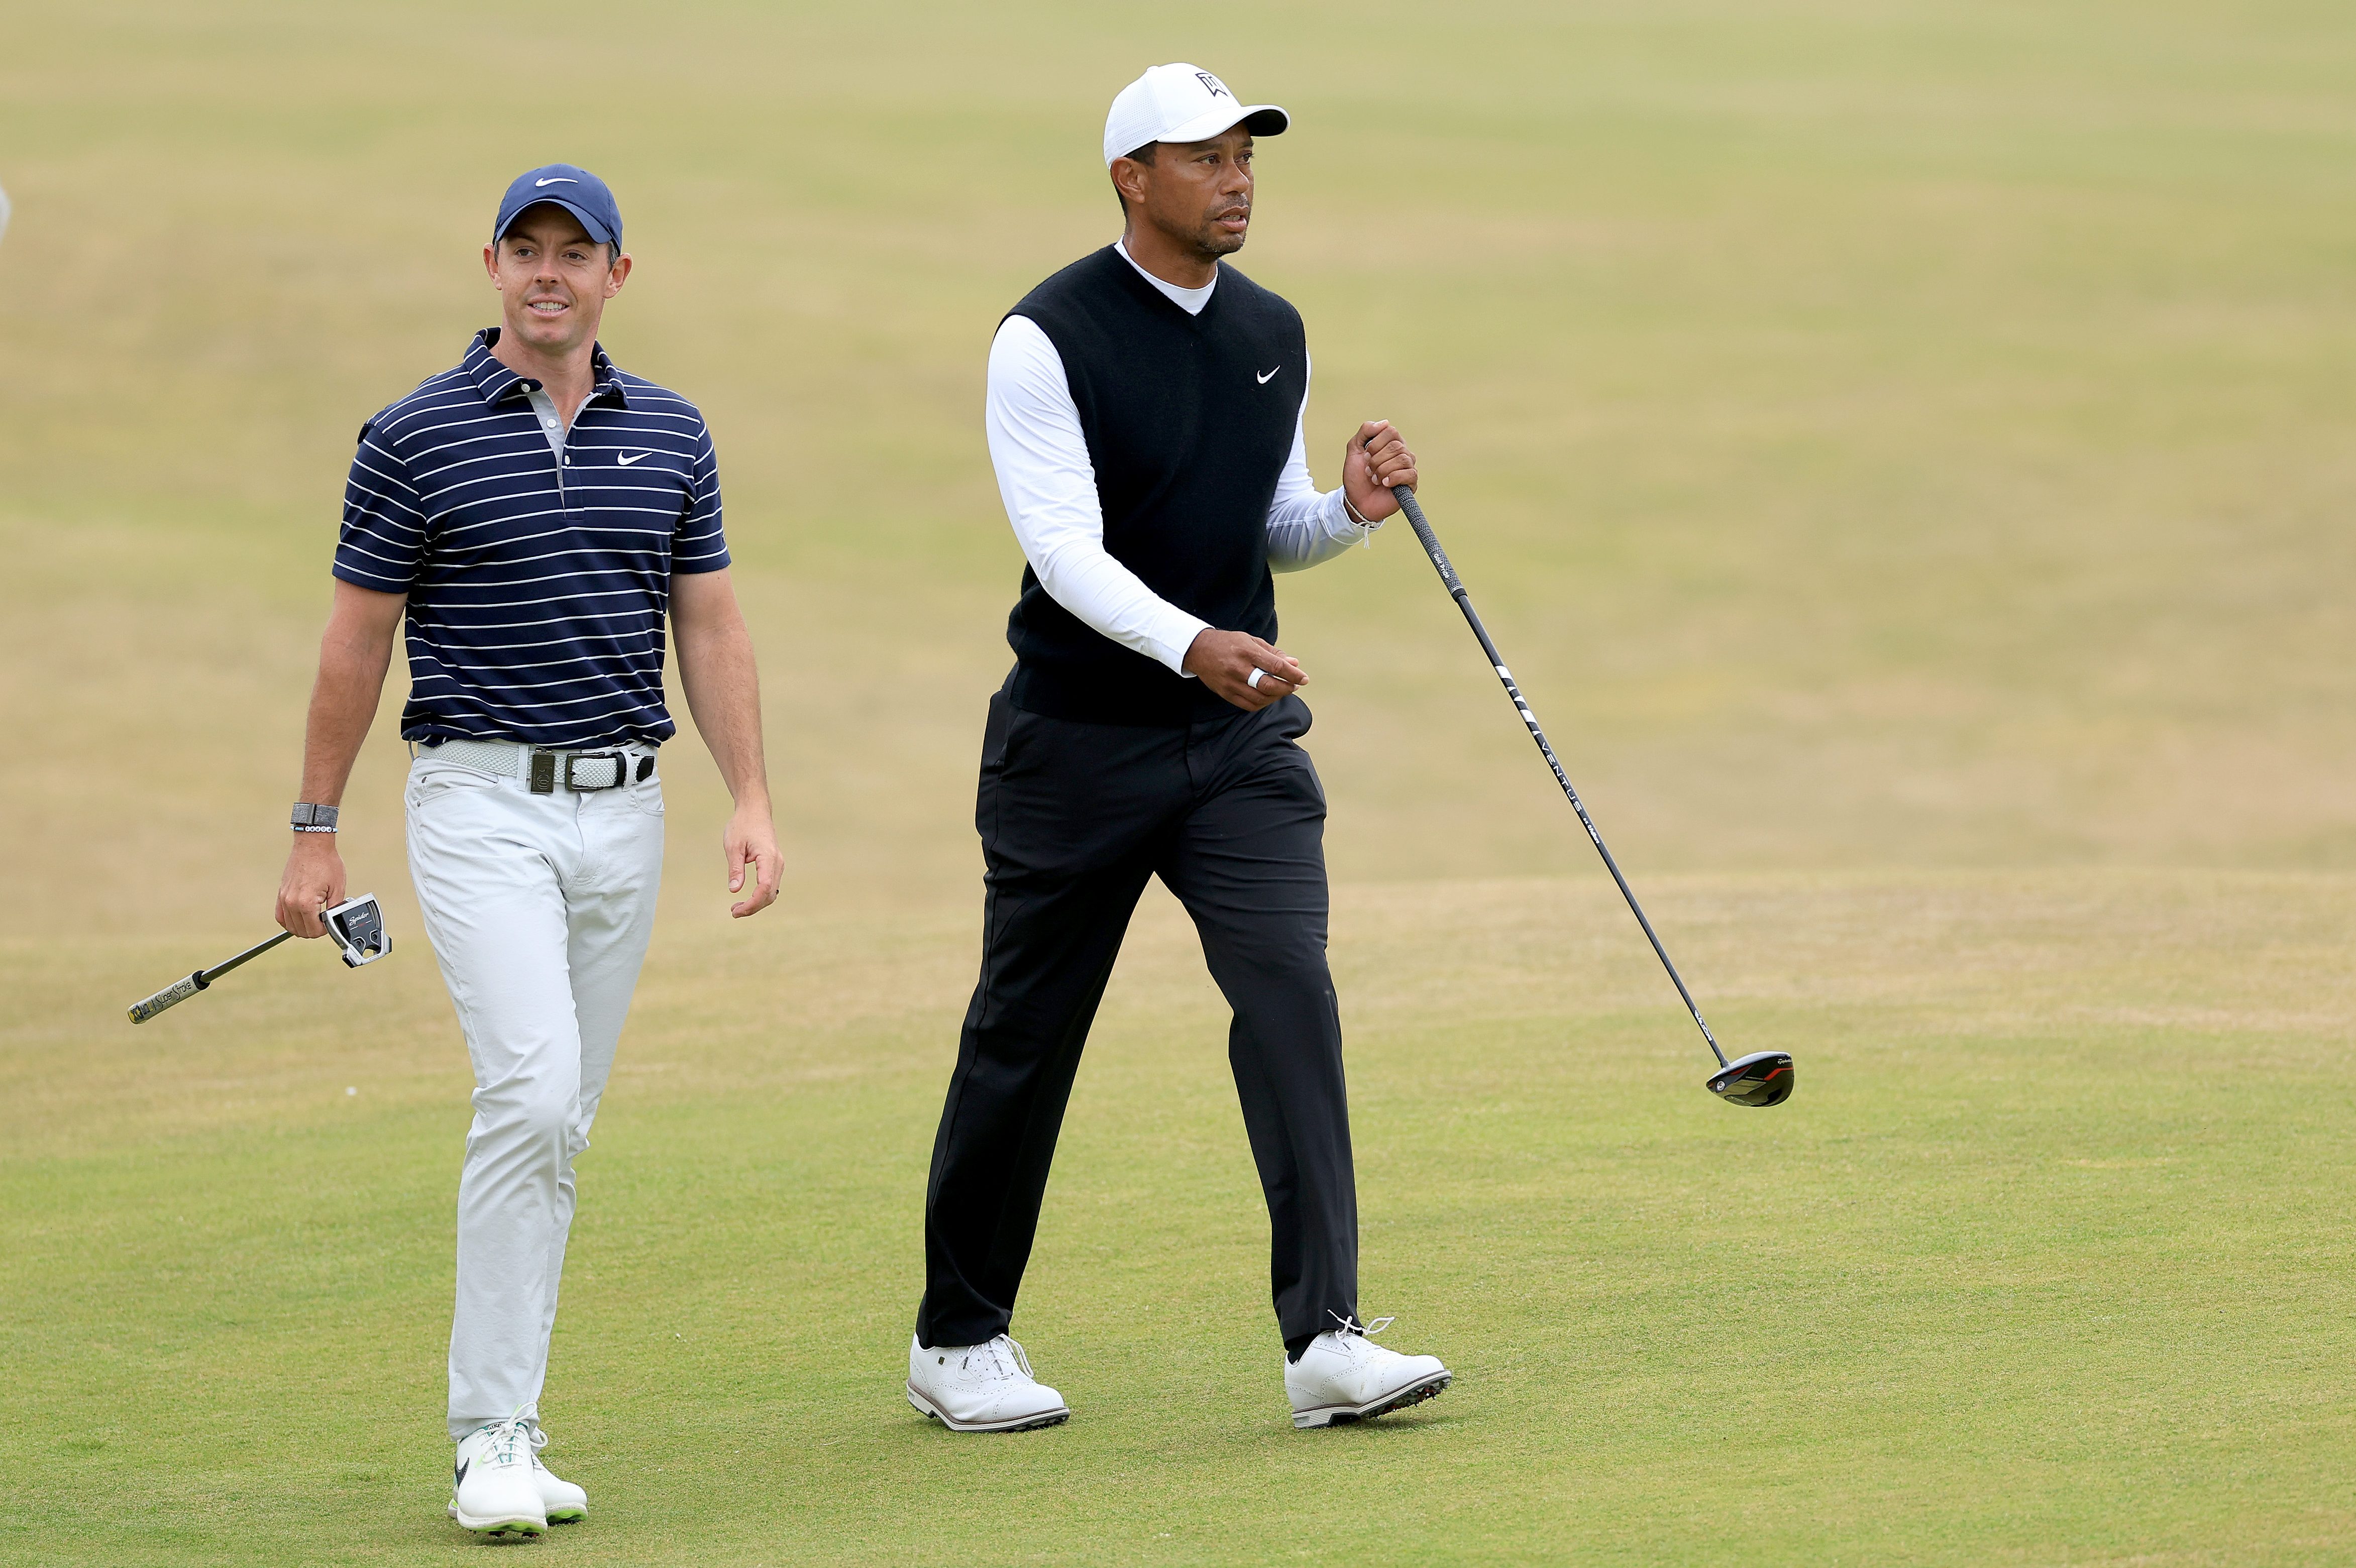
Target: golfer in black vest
pixel 1144 416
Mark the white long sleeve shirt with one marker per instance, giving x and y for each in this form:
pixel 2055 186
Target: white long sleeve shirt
pixel 1049 485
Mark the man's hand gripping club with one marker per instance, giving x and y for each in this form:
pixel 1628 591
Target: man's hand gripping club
pixel 354 653
pixel 1252 674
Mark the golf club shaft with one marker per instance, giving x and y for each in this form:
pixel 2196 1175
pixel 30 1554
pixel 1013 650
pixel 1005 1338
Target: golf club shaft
pixel 256 951
pixel 1471 618
pixel 180 990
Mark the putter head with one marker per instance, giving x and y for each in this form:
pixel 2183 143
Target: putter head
pixel 1761 1078
pixel 358 927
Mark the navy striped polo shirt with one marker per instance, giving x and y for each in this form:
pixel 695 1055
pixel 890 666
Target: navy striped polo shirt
pixel 537 588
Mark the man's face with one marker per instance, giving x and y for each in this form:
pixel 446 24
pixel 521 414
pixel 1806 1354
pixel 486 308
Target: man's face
pixel 1200 192
pixel 553 280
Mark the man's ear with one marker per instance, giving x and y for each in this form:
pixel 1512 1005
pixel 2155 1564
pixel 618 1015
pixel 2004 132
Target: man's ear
pixel 619 275
pixel 1128 179
pixel 491 262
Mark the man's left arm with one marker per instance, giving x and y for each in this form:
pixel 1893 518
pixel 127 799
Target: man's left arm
pixel 723 693
pixel 1306 527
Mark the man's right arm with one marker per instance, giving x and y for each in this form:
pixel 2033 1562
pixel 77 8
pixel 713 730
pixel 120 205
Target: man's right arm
pixel 354 654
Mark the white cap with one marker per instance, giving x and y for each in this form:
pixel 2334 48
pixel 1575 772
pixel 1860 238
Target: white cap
pixel 1181 103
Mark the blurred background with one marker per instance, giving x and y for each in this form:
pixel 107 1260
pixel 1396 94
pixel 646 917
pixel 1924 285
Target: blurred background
pixel 1905 432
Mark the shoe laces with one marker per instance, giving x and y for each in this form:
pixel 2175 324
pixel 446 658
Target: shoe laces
pixel 538 1439
pixel 998 1362
pixel 505 1437
pixel 1351 1325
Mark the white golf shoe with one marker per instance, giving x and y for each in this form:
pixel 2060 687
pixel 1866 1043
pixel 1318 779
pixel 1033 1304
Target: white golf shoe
pixel 564 1503
pixel 981 1388
pixel 492 1491
pixel 1344 1376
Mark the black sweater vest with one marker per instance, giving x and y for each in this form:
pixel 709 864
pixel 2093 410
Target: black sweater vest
pixel 1189 421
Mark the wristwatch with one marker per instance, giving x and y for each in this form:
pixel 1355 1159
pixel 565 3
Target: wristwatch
pixel 309 818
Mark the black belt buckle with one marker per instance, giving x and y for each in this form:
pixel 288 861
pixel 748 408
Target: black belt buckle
pixel 573 760
pixel 544 772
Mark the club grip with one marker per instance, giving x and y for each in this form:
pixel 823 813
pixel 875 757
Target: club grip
pixel 171 996
pixel 1425 537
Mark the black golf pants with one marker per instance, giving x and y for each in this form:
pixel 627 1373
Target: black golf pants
pixel 1073 819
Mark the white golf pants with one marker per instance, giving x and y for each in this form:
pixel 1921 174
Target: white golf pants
pixel 538 907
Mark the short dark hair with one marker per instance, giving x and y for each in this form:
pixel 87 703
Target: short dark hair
pixel 1144 156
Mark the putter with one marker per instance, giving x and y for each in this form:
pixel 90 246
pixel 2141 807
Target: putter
pixel 355 925
pixel 1761 1078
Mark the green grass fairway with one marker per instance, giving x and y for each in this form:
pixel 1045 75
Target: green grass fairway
pixel 2046 1263
pixel 1903 447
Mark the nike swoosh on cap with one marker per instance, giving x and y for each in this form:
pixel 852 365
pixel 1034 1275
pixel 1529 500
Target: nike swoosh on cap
pixel 1270 376
pixel 555 179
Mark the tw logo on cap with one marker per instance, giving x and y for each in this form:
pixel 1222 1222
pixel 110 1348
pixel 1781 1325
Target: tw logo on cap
pixel 1213 85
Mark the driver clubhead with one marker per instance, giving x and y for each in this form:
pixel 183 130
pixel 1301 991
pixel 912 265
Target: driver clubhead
pixel 358 927
pixel 1761 1078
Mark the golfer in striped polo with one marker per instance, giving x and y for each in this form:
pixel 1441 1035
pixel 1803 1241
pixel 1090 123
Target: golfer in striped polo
pixel 535 513
pixel 1145 420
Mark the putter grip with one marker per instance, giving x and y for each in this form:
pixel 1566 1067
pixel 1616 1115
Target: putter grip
pixel 171 996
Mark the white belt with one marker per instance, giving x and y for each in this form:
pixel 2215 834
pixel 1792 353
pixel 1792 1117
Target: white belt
pixel 543 771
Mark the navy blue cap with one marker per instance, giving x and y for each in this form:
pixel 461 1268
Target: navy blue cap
pixel 572 187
